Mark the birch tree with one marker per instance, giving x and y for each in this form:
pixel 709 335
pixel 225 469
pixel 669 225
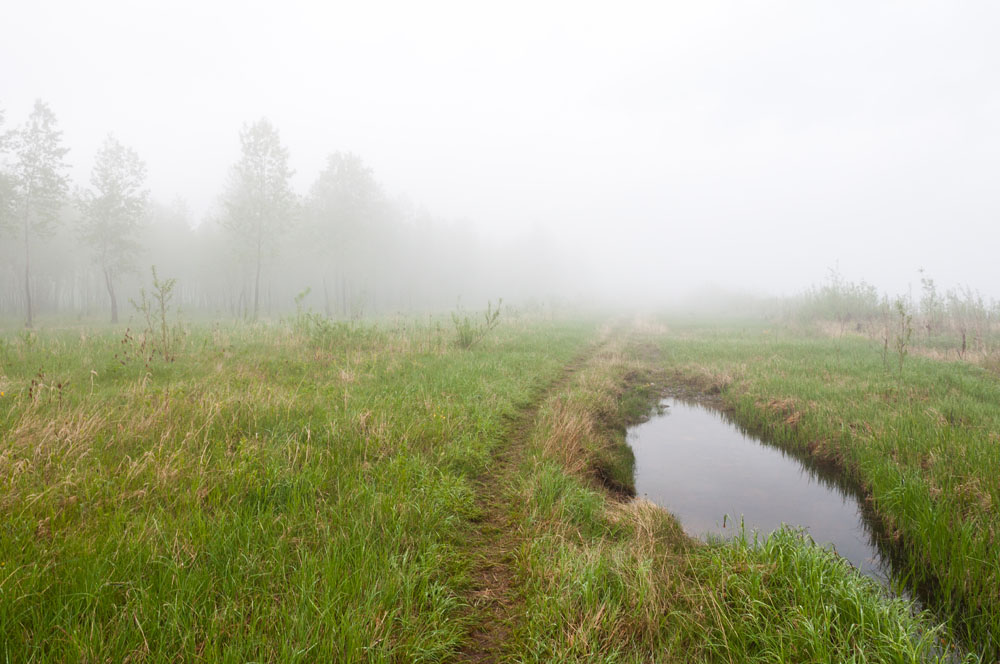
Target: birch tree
pixel 39 184
pixel 112 209
pixel 259 202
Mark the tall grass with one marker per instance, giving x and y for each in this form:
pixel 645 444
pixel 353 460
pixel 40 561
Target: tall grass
pixel 276 493
pixel 306 491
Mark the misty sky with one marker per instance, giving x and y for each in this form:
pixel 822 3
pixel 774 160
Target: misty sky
pixel 750 144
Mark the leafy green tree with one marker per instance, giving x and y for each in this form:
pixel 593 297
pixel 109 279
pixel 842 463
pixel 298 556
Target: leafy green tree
pixel 344 207
pixel 112 209
pixel 259 202
pixel 39 183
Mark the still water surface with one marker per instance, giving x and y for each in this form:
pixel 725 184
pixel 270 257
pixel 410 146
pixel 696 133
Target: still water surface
pixel 710 474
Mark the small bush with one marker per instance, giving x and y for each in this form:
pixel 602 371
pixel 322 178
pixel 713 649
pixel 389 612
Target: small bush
pixel 159 335
pixel 469 331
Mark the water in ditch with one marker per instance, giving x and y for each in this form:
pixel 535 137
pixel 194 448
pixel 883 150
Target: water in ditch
pixel 714 477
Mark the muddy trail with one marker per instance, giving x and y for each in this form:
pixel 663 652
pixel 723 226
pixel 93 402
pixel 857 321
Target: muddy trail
pixel 492 597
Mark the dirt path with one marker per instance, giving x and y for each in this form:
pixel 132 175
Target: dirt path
pixel 497 537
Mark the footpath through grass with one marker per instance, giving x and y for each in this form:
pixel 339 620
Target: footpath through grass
pixel 325 492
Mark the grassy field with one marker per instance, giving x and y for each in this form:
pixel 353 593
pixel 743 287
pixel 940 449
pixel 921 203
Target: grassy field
pixel 275 493
pixel 309 491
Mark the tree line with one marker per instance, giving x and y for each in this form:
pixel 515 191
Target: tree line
pixel 344 247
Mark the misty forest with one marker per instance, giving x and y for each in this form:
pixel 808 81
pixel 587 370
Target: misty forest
pixel 346 247
pixel 557 333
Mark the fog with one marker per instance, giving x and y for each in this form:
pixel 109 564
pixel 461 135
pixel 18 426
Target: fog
pixel 640 154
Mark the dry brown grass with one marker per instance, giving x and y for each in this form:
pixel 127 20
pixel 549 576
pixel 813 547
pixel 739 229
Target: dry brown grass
pixel 703 380
pixel 563 432
pixel 579 425
pixel 649 524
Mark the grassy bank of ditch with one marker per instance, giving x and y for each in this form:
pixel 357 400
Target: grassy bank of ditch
pixel 607 579
pixel 923 444
pixel 373 492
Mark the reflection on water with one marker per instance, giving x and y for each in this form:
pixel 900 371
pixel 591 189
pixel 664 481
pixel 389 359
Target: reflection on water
pixel 711 475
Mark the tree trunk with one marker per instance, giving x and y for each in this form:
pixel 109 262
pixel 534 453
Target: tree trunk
pixel 343 295
pixel 256 284
pixel 111 293
pixel 326 299
pixel 27 273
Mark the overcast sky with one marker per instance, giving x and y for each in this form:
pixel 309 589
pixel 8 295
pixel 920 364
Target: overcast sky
pixel 750 144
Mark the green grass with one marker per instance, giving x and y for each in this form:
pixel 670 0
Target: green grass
pixel 785 600
pixel 272 495
pixel 312 491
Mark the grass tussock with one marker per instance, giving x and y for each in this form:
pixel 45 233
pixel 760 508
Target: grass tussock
pixel 583 428
pixel 785 600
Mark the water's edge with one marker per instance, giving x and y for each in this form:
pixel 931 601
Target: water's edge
pixel 886 559
pixel 711 473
